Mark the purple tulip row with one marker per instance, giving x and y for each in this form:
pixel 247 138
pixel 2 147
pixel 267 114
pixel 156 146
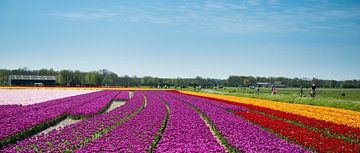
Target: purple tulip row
pixel 135 135
pixel 15 111
pixel 221 105
pixel 19 109
pixel 239 133
pixel 124 95
pixel 9 110
pixel 37 114
pixel 74 136
pixel 186 131
pixel 95 105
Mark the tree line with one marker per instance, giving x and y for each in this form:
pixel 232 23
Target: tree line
pixel 105 77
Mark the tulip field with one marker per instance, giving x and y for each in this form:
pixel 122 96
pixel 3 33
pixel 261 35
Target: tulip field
pixel 169 121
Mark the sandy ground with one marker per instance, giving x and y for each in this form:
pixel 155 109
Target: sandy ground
pixel 115 104
pixel 61 124
pixel 131 94
pixel 69 121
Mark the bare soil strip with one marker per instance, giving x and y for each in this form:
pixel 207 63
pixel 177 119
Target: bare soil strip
pixel 68 121
pixel 115 104
pixel 62 124
pixel 131 94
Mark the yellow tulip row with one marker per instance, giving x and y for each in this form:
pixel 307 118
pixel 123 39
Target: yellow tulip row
pixel 334 115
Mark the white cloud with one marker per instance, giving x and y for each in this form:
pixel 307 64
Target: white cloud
pixel 86 14
pixel 240 17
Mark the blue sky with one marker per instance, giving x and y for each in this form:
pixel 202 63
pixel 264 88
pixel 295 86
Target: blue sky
pixel 310 38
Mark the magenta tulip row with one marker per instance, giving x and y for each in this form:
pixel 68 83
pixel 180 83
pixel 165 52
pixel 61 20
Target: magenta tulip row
pixel 74 136
pixel 239 133
pixel 192 124
pixel 22 118
pixel 186 131
pixel 135 135
pixel 123 96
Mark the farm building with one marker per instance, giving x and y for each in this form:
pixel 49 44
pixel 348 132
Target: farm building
pixel 263 84
pixel 278 84
pixel 32 80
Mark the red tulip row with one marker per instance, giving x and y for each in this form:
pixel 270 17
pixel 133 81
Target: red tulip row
pixel 334 128
pixel 344 130
pixel 303 136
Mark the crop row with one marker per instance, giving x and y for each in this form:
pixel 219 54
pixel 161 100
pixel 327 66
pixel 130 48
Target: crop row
pixel 186 131
pixel 136 134
pixel 33 96
pixel 239 133
pixel 286 125
pixel 34 118
pixel 353 133
pixel 162 121
pixel 122 96
pixel 334 115
pixel 316 141
pixel 74 136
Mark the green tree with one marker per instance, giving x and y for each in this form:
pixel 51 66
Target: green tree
pixel 92 78
pixel 65 77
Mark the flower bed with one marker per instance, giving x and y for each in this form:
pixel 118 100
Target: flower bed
pixel 122 96
pixel 171 122
pixel 317 141
pixel 334 115
pixel 186 131
pixel 74 136
pixel 28 120
pixel 330 127
pixel 31 96
pixel 239 133
pixel 135 135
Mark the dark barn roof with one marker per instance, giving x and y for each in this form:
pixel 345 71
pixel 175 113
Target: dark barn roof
pixel 32 77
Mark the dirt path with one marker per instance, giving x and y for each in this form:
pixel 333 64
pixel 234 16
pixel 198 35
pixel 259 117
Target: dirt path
pixel 131 94
pixel 115 104
pixel 69 121
pixel 63 123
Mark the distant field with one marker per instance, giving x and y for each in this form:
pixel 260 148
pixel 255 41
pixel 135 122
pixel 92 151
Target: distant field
pixel 331 97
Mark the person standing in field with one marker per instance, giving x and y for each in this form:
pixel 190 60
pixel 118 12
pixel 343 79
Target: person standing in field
pixel 313 90
pixel 257 90
pixel 301 91
pixel 273 90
